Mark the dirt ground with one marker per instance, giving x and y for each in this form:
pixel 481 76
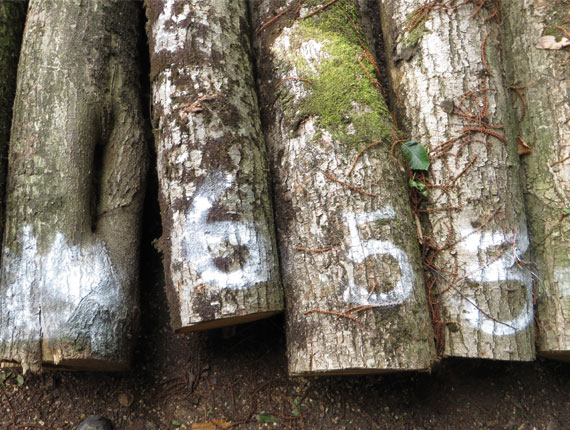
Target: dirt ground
pixel 241 379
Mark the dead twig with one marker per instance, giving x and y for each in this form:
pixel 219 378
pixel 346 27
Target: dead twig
pixel 338 314
pixel 350 187
pixel 319 9
pixel 272 20
pixel 373 144
pixel 562 160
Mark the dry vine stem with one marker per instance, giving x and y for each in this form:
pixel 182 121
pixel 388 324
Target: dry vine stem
pixel 545 79
pixel 316 135
pixel 452 99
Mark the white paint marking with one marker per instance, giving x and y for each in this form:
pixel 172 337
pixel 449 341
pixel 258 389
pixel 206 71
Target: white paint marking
pixel 69 284
pixel 203 241
pixel 503 269
pixel 359 251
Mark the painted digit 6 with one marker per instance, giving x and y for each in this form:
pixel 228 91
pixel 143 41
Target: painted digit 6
pixel 360 250
pixel 203 239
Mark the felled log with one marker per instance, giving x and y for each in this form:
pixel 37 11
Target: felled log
pixel 351 269
pixel 75 188
pixel 538 79
pixel 12 17
pixel 218 241
pixel 445 70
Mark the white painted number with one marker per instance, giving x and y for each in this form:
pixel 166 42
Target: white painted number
pixel 503 269
pixel 204 241
pixel 360 250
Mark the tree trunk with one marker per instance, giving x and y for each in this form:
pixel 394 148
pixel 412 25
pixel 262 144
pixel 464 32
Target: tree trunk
pixel 12 17
pixel 445 68
pixel 75 188
pixel 220 258
pixel 355 294
pixel 542 78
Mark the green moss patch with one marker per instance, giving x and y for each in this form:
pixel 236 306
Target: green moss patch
pixel 342 97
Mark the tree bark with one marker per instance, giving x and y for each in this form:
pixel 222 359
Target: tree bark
pixel 75 189
pixel 354 288
pixel 542 78
pixel 12 17
pixel 220 258
pixel 445 69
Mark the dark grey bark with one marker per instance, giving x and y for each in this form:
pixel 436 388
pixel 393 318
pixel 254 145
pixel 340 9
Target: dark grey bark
pixel 75 189
pixel 12 17
pixel 220 259
pixel 350 262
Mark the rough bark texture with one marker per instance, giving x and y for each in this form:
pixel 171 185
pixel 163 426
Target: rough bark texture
pixel 75 188
pixel 543 78
pixel 350 263
pixel 456 106
pixel 12 16
pixel 220 258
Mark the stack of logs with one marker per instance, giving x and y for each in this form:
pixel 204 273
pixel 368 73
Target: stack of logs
pixel 277 126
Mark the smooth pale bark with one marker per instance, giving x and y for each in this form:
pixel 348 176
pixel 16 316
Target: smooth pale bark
pixel 12 17
pixel 485 291
pixel 341 250
pixel 543 77
pixel 75 190
pixel 218 241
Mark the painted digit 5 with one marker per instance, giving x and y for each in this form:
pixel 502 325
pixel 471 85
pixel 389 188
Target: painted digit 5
pixel 204 241
pixel 360 250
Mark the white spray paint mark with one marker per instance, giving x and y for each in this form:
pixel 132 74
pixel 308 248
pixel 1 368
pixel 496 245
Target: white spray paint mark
pixel 360 250
pixel 69 289
pixel 502 269
pixel 204 241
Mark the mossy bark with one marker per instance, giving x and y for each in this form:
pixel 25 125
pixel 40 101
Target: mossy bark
pixel 218 235
pixel 445 70
pixel 349 253
pixel 12 17
pixel 543 79
pixel 75 189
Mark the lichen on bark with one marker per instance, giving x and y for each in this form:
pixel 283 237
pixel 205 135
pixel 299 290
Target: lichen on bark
pixel 346 236
pixel 220 258
pixel 542 79
pixel 75 189
pixel 451 98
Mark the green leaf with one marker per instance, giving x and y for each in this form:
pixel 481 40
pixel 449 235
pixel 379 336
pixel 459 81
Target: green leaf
pixel 566 211
pixel 420 186
pixel 20 380
pixel 296 408
pixel 266 418
pixel 176 423
pixel 416 155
